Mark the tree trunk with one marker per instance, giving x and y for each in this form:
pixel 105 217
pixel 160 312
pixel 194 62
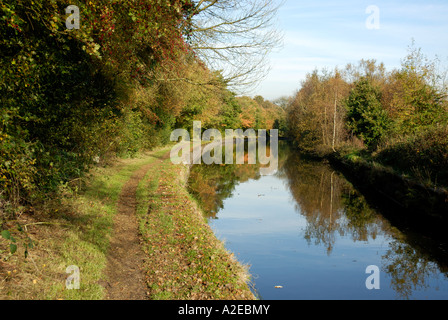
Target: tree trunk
pixel 334 121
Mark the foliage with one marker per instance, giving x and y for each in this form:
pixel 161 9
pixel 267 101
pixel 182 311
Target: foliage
pixel 415 106
pixel 366 117
pixel 258 113
pixel 424 154
pixel 116 86
pixel 27 242
pixel 400 116
pixel 315 115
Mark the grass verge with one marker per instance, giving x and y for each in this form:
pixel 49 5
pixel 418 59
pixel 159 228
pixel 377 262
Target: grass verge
pixel 185 259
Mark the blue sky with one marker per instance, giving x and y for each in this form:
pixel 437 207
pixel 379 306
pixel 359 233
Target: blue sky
pixel 320 34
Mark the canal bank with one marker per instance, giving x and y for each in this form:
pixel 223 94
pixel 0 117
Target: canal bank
pixel 421 207
pixel 184 259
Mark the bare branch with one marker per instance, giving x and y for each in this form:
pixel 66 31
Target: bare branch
pixel 236 37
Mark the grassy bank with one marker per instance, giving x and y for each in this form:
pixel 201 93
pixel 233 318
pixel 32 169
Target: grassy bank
pixel 185 260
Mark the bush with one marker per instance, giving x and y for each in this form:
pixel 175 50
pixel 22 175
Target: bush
pixel 423 155
pixel 17 168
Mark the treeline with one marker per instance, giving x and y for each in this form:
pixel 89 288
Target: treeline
pixel 258 113
pixel 398 118
pixel 117 85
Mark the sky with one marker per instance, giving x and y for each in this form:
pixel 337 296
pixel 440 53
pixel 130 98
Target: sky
pixel 329 34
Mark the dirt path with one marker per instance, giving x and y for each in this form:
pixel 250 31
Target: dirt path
pixel 124 272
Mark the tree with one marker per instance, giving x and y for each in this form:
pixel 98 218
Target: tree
pixel 283 102
pixel 366 117
pixel 230 112
pixel 313 114
pixel 415 95
pixel 370 69
pixel 234 36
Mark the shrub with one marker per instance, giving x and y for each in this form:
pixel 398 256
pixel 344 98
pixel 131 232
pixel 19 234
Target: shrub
pixel 424 153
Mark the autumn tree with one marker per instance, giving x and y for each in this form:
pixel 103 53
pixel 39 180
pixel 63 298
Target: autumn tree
pixel 416 94
pixel 316 114
pixel 370 69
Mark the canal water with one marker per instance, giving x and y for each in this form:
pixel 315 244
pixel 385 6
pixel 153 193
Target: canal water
pixel 307 233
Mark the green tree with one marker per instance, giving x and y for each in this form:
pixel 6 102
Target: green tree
pixel 366 117
pixel 230 112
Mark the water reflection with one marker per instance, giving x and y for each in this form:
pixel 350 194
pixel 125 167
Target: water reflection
pixel 330 204
pixel 409 269
pixel 212 184
pixel 333 210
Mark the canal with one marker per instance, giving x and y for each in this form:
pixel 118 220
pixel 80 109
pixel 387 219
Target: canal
pixel 306 232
